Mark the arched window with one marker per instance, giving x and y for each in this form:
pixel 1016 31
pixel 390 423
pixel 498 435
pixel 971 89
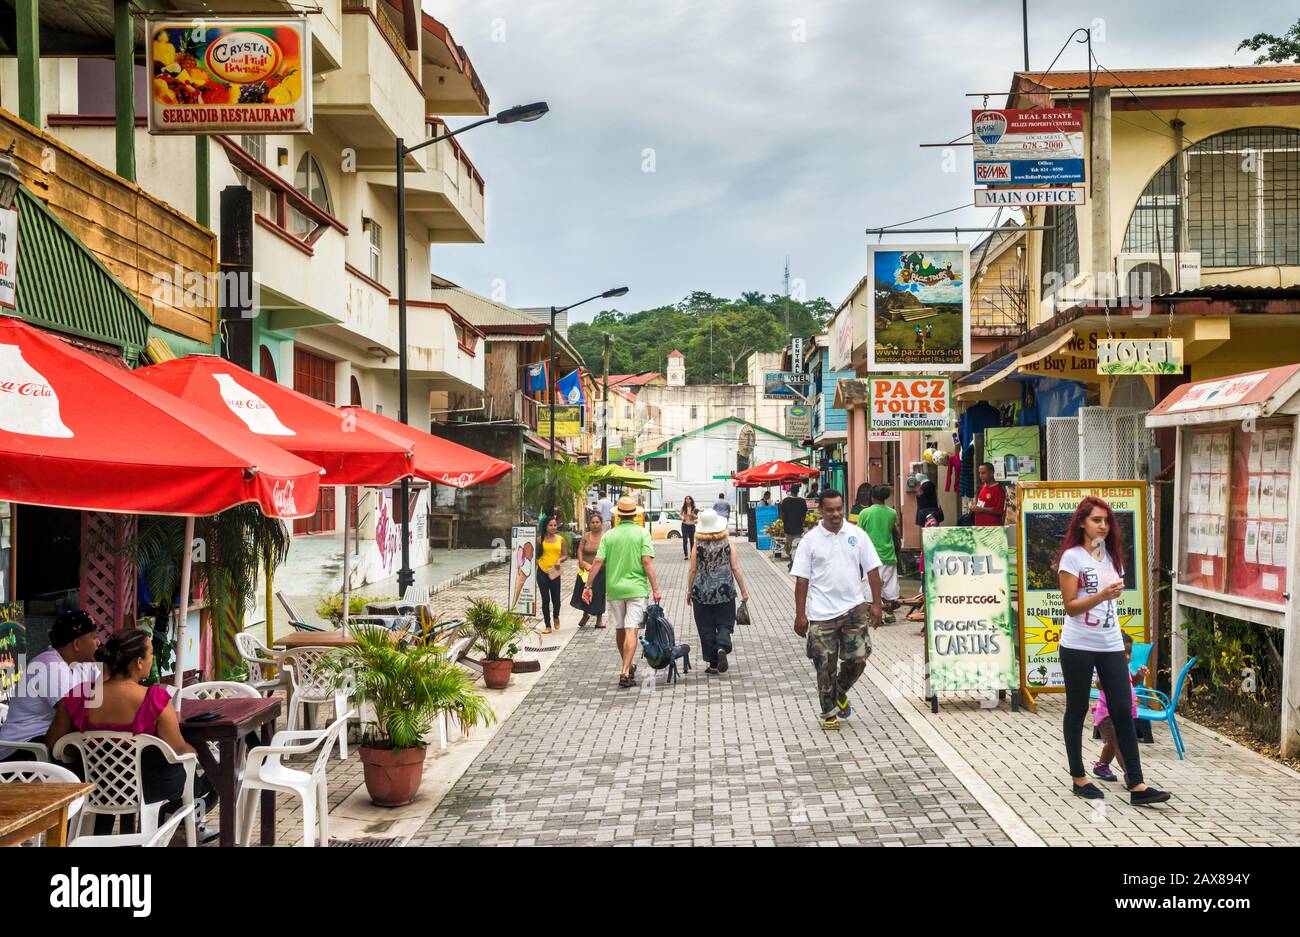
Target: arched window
pixel 1060 261
pixel 356 392
pixel 310 181
pixel 266 364
pixel 1241 205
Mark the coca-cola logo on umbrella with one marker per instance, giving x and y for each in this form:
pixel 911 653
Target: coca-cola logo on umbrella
pixel 250 408
pixel 282 499
pixel 35 409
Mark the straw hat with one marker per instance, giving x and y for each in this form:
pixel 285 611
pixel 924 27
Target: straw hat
pixel 710 522
pixel 627 506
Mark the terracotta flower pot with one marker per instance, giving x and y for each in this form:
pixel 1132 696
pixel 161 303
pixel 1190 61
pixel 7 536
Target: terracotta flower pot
pixel 392 774
pixel 496 673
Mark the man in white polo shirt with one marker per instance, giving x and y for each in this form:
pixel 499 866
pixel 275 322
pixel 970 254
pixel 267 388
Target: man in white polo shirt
pixel 830 565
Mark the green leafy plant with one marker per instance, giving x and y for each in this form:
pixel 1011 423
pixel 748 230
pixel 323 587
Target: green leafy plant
pixel 495 630
pixel 331 607
pixel 560 488
pixel 408 686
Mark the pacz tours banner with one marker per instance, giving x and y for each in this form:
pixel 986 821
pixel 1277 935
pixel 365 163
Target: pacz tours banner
pixel 969 634
pixel 1045 512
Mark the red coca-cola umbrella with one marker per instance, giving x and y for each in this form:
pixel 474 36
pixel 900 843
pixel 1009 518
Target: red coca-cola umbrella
pixel 309 428
pixel 77 432
pixel 435 459
pixel 773 473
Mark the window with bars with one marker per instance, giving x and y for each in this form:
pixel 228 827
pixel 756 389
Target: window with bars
pixel 1060 247
pixel 1242 202
pixel 376 248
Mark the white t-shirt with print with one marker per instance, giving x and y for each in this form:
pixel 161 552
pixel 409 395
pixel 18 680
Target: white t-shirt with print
pixel 835 566
pixel 1098 628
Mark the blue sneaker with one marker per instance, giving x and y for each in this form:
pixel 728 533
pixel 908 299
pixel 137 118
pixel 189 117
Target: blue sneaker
pixel 845 710
pixel 1103 771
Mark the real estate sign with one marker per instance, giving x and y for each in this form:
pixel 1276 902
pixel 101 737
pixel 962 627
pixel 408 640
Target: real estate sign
pixel 1045 512
pixel 214 75
pixel 909 402
pixel 969 632
pixel 1028 147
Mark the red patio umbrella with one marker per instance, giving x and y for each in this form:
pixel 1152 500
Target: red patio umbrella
pixel 772 473
pixel 78 433
pixel 309 428
pixel 436 459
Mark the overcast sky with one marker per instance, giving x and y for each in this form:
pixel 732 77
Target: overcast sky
pixel 694 144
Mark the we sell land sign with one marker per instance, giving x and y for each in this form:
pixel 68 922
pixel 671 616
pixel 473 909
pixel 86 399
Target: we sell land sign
pixel 969 632
pixel 916 403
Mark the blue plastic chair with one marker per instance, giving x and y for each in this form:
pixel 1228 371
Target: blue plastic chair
pixel 1166 711
pixel 1141 654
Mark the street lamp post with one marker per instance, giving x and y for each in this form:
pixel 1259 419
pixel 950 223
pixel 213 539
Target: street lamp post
pixel 524 113
pixel 551 377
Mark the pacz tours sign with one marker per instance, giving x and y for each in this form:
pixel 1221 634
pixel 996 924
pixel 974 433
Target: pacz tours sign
pixel 917 403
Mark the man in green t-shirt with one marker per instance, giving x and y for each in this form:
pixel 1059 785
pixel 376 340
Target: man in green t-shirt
pixel 880 521
pixel 626 554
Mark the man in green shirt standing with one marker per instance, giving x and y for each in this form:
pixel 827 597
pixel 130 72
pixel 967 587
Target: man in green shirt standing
pixel 626 553
pixel 880 521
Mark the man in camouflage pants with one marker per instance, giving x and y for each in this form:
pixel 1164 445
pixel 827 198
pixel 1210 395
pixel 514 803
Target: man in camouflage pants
pixel 830 566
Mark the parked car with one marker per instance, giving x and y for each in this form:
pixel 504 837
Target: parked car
pixel 665 524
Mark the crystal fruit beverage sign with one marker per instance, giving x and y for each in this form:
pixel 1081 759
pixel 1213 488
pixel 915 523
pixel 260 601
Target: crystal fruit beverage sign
pixel 232 76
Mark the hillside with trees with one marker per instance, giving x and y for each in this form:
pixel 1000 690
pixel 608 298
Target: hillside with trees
pixel 715 334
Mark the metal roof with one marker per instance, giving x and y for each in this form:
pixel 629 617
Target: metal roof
pixel 493 317
pixel 64 287
pixel 1163 77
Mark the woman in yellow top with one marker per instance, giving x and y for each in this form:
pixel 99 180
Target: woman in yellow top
pixel 552 551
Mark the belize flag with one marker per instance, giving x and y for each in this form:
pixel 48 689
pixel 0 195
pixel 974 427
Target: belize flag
pixel 569 389
pixel 537 376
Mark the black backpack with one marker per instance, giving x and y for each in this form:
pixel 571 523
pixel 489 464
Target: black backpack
pixel 659 644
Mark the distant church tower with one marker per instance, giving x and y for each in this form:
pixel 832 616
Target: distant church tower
pixel 676 369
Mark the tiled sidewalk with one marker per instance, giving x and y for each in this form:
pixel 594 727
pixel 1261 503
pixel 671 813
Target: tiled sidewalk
pixel 1224 794
pixel 736 759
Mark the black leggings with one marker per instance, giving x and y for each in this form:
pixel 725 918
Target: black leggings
pixel 1117 684
pixel 550 590
pixel 688 539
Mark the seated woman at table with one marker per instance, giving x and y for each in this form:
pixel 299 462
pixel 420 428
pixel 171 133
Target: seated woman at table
pixel 124 705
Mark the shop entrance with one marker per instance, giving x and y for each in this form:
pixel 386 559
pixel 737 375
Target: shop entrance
pixel 48 560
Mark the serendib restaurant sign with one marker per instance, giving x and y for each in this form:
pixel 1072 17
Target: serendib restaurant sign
pixel 231 75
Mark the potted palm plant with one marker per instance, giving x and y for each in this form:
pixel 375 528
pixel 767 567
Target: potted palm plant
pixel 496 634
pixel 408 686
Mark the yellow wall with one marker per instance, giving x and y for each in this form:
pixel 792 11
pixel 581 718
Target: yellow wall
pixel 1141 143
pixel 989 306
pixel 1251 349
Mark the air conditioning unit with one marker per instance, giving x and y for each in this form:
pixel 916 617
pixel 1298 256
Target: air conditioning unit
pixel 1142 276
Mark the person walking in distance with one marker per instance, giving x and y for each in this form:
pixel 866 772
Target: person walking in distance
pixel 711 590
pixel 606 508
pixel 690 517
pixel 722 506
pixel 1090 571
pixel 793 510
pixel 587 548
pixel 626 558
pixel 552 551
pixel 880 522
pixel 830 609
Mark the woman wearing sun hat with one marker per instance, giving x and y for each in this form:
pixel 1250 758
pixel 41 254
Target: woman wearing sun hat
pixel 711 589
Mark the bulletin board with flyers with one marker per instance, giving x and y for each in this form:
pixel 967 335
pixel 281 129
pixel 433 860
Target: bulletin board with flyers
pixel 1236 486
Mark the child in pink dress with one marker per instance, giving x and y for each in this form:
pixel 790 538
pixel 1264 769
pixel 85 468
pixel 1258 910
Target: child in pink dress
pixel 1101 719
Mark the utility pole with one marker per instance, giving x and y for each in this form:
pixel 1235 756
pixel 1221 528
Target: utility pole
pixel 604 409
pixel 786 303
pixel 550 396
pixel 1024 22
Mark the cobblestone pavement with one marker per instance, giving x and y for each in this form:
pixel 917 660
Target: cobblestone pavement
pixel 736 759
pixel 1224 794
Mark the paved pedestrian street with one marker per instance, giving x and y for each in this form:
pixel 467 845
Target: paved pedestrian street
pixel 736 759
pixel 739 759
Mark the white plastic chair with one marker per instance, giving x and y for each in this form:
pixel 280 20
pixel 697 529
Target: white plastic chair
pixel 311 684
pixel 27 772
pixel 37 750
pixel 220 689
pixel 111 761
pixel 151 834
pixel 260 660
pixel 266 772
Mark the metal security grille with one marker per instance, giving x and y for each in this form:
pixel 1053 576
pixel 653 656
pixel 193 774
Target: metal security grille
pixel 1107 444
pixel 1060 245
pixel 1062 448
pixel 1242 203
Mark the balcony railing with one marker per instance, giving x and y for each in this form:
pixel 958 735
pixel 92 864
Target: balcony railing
pixel 437 126
pixel 391 32
pixel 277 205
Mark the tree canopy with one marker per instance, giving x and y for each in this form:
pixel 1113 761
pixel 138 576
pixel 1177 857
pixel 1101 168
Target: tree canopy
pixel 1282 49
pixel 716 335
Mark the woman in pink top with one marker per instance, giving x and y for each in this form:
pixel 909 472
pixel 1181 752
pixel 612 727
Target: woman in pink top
pixel 125 705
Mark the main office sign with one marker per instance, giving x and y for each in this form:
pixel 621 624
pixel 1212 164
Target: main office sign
pixel 1029 198
pixel 1028 147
